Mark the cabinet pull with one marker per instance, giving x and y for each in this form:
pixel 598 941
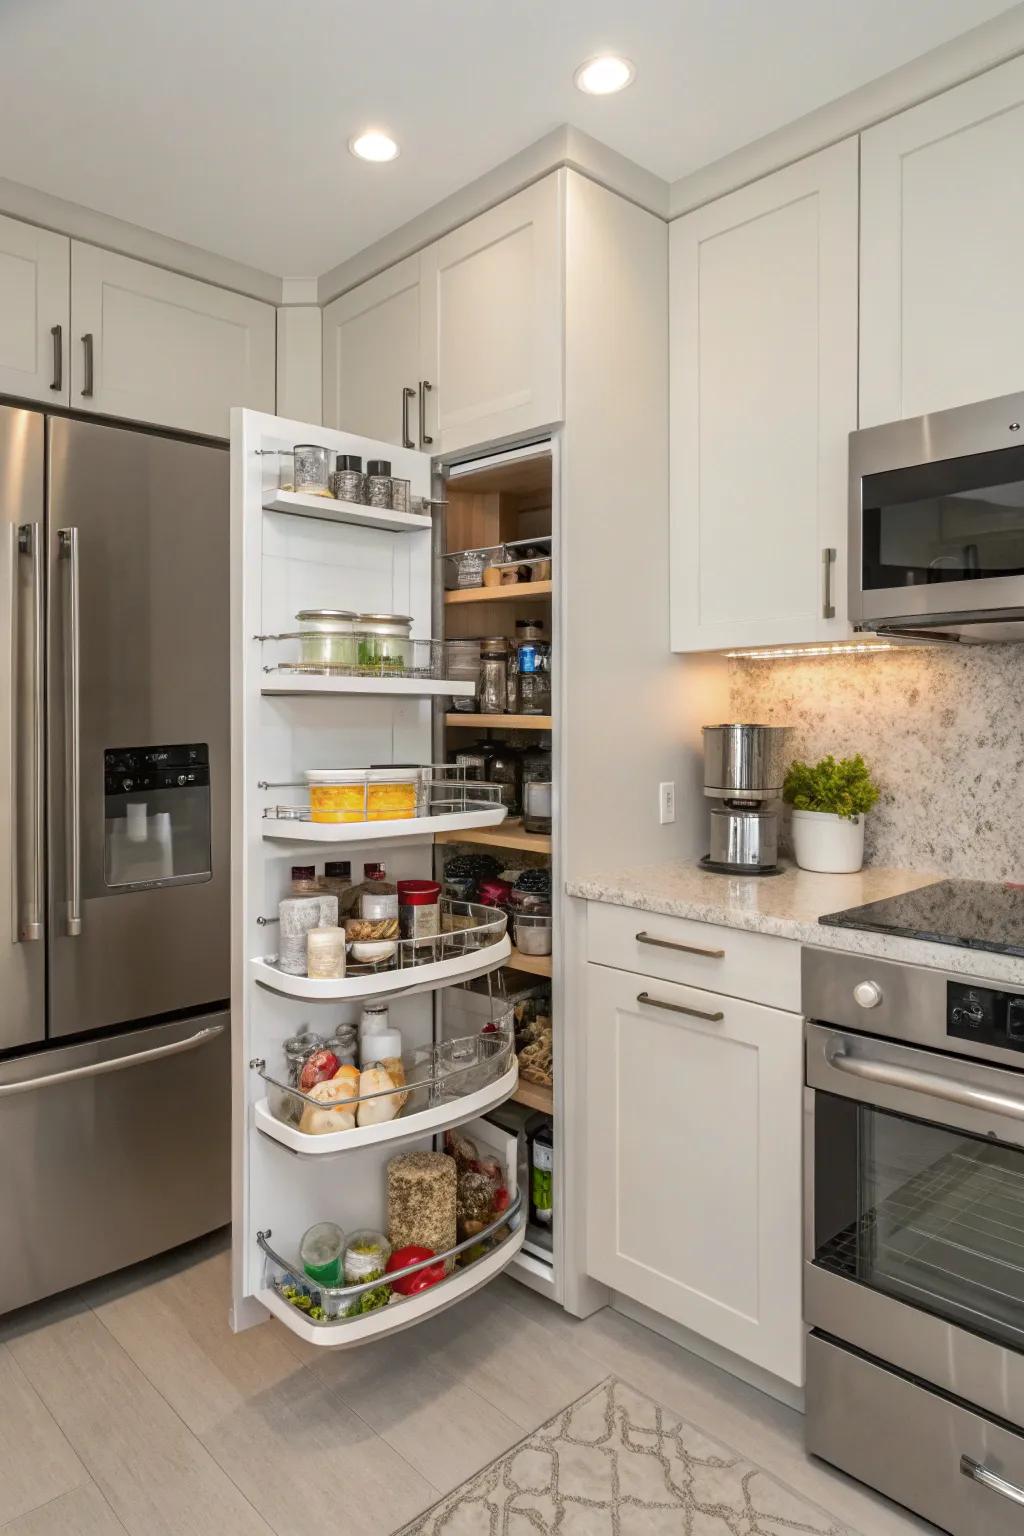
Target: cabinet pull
pixel 407 395
pixel 687 949
pixel 425 388
pixel 87 382
pixel 57 332
pixel 692 1013
pixel 828 610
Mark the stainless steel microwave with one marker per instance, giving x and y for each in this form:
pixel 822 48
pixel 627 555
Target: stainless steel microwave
pixel 937 524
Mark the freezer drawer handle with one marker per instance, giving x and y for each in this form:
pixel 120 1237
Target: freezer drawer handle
pixel 686 949
pixel 100 1068
pixel 68 547
pixel 979 1474
pixel 692 1013
pixel 30 915
pixel 914 1081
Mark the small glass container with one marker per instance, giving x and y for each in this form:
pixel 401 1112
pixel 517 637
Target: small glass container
pixel 532 933
pixel 325 954
pixel 320 1252
pixel 419 918
pixel 366 1254
pixel 304 881
pixel 473 765
pixel 345 1044
pixel 464 667
pixel 378 482
pixel 297 1050
pixel 378 904
pixel 400 497
pixel 537 806
pixel 338 879
pixel 311 469
pixel 348 483
pixel 384 645
pixel 328 637
pixel 493 675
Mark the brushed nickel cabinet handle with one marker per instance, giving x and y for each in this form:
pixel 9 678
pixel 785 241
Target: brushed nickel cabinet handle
pixel 68 546
pixel 991 1480
pixel 687 949
pixel 692 1013
pixel 87 353
pixel 57 332
pixel 425 388
pixel 407 395
pixel 828 610
pixel 117 1064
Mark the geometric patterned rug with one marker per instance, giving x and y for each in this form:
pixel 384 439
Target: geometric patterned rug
pixel 615 1463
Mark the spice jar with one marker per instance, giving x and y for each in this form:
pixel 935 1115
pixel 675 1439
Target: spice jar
pixel 378 482
pixel 325 953
pixel 493 675
pixel 348 483
pixel 310 463
pixel 419 917
pixel 304 881
pixel 399 495
pixel 338 880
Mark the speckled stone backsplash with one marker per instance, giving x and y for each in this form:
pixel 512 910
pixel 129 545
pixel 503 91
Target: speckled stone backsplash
pixel 941 730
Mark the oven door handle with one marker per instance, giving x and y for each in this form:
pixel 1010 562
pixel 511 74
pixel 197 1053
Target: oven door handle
pixel 913 1080
pixel 991 1480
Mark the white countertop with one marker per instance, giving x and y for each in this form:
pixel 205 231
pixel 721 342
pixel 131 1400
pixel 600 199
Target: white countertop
pixel 788 906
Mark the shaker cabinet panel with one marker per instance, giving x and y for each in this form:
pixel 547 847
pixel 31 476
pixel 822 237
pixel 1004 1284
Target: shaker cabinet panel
pixel 33 306
pixel 942 228
pixel 372 355
pixel 694 1161
pixel 153 346
pixel 763 357
pixel 492 340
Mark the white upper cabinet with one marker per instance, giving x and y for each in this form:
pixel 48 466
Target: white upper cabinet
pixel 153 346
pixel 33 312
pixel 493 302
pixel 693 1105
pixel 372 369
pixel 942 230
pixel 763 360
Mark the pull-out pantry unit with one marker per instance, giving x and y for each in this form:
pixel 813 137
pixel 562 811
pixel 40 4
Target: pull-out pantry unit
pixel 371 713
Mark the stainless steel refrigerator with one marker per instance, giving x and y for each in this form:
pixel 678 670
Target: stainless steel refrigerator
pixel 114 848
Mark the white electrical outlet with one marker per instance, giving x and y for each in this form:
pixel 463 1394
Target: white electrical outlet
pixel 666 802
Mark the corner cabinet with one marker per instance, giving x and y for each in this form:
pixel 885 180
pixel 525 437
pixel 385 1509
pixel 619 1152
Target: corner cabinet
pixel 763 364
pixel 942 228
pixel 461 344
pixel 34 312
pixel 694 1162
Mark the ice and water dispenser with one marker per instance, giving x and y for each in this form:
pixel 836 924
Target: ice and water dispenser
pixel 156 817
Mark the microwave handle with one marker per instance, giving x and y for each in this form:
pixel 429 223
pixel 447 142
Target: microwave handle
pixel 914 1080
pixel 828 607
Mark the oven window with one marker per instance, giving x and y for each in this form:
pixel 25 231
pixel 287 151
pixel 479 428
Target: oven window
pixel 953 520
pixel 929 1215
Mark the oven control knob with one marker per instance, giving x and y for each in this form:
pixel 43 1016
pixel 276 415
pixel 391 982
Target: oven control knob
pixel 867 994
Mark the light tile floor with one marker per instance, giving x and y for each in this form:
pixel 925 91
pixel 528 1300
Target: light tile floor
pixel 129 1406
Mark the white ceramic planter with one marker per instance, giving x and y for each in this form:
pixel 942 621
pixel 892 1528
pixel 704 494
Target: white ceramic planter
pixel 831 845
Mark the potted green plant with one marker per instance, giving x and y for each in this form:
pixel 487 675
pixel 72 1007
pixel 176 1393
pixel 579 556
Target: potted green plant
pixel 830 800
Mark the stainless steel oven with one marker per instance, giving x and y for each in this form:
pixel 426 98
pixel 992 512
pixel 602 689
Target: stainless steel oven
pixel 937 523
pixel 914 1235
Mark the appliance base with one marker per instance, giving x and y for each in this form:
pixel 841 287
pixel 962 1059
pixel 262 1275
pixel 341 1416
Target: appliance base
pixel 708 863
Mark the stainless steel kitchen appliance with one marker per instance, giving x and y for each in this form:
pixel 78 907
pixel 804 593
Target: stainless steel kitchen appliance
pixel 914 1234
pixel 936 531
pixel 744 766
pixel 114 769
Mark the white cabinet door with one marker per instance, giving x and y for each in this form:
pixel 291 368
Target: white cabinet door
pixel 153 346
pixel 942 229
pixel 693 1161
pixel 493 322
pixel 33 312
pixel 763 311
pixel 372 357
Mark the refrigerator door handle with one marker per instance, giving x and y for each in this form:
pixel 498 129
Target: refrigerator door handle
pixel 117 1064
pixel 67 539
pixel 30 909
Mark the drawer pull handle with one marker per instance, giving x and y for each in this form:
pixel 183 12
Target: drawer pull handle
pixel 686 949
pixel 991 1480
pixel 692 1013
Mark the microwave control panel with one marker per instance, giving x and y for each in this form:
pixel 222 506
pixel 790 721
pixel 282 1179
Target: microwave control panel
pixel 985 1015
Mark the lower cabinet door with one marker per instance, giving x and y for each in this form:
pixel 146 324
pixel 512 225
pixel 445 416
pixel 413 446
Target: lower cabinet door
pixel 693 1161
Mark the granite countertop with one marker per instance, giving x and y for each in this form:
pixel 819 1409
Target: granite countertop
pixel 789 906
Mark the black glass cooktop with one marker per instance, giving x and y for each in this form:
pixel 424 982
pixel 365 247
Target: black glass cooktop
pixel 978 914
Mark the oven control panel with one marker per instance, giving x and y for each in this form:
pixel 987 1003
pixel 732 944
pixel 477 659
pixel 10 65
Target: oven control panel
pixel 985 1015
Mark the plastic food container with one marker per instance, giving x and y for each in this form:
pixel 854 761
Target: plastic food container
pixel 532 933
pixel 384 642
pixel 328 637
pixel 352 794
pixel 366 1254
pixel 320 1251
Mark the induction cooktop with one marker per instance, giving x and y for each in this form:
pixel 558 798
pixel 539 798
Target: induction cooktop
pixel 977 914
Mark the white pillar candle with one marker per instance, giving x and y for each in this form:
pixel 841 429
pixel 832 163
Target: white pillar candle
pixel 325 953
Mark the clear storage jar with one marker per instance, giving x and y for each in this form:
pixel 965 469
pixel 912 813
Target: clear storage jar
pixel 348 483
pixel 464 667
pixel 493 693
pixel 353 794
pixel 383 643
pixel 328 637
pixel 378 482
pixel 311 469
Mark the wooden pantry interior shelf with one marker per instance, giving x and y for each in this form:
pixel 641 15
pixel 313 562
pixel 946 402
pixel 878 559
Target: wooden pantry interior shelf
pixel 509 834
pixel 535 965
pixel 535 1096
pixel 473 722
pixel 519 591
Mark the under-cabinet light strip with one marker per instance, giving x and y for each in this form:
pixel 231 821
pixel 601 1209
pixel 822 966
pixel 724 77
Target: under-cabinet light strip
pixel 853 648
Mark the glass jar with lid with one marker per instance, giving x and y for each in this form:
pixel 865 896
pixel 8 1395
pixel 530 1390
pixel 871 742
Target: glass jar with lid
pixel 378 482
pixel 328 637
pixel 348 483
pixel 383 642
pixel 311 469
pixel 533 665
pixel 493 692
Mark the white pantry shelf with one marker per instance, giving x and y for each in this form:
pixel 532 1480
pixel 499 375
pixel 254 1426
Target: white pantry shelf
pixel 405 981
pixel 341 833
pixel 454 1111
pixel 330 510
pixel 393 687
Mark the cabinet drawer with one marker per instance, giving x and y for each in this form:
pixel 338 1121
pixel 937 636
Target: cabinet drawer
pixel 708 955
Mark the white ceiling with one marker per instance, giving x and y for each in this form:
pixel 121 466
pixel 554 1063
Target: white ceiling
pixel 225 122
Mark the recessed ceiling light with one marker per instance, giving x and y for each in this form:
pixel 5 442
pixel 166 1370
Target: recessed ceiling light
pixel 603 75
pixel 373 145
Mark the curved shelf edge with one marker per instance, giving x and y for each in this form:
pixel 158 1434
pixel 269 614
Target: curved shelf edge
pixel 379 831
pixel 406 982
pixel 443 1117
pixel 401 1314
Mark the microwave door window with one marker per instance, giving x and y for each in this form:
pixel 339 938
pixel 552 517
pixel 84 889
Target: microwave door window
pixel 953 520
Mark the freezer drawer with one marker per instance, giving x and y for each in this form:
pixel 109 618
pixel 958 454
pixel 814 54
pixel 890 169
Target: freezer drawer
pixel 124 1155
pixel 931 1453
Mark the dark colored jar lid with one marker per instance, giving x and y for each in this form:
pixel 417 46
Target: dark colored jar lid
pixel 349 461
pixel 378 466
